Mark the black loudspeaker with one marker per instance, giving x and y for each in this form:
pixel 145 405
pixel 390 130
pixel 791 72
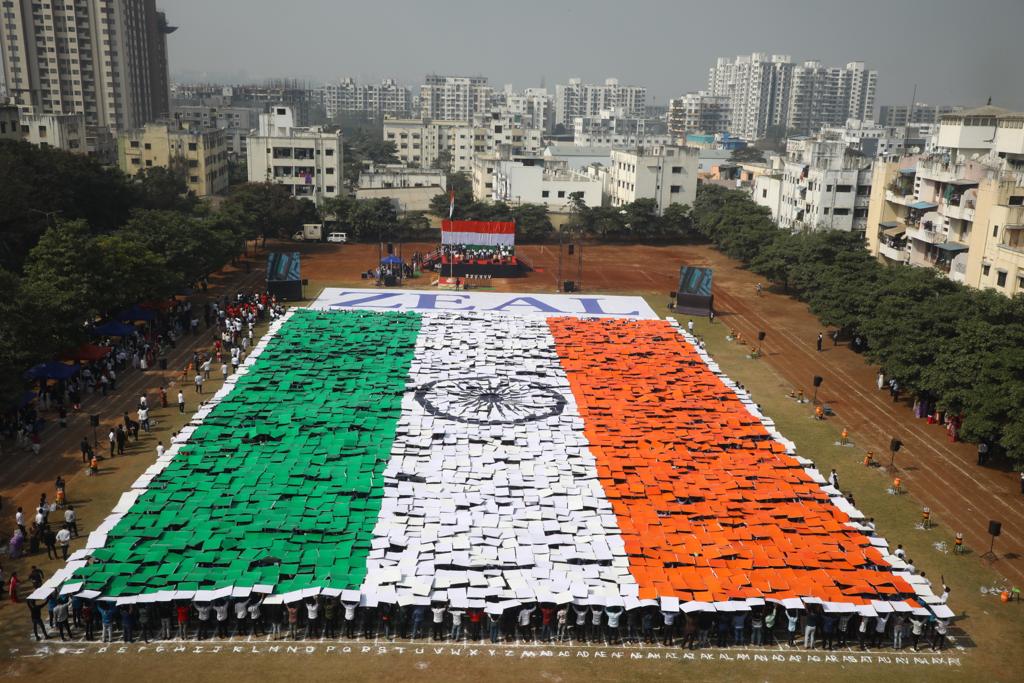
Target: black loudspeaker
pixel 94 420
pixel 163 363
pixel 568 286
pixel 572 249
pixel 818 380
pixel 994 528
pixel 761 336
pixel 391 248
pixel 895 445
pixel 671 295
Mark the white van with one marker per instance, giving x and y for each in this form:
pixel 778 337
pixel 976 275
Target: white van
pixel 339 237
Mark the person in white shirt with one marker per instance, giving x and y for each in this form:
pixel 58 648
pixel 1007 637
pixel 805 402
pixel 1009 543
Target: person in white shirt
pixel 206 368
pixel 221 610
pixel 612 630
pixel 456 634
pixel 596 614
pixel 199 383
pixel 112 440
pixel 438 620
pixel 900 552
pixel 19 519
pixel 255 616
pixel 241 615
pixel 224 370
pixel 181 402
pixel 159 448
pixel 63 540
pixel 203 612
pixel 525 625
pixel 562 619
pixel 144 418
pixel 350 617
pixel 71 520
pixel 581 621
pixel 312 610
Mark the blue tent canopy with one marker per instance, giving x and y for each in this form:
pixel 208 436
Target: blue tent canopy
pixel 52 370
pixel 136 313
pixel 391 260
pixel 112 328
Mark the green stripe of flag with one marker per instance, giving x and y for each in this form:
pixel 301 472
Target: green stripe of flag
pixel 288 467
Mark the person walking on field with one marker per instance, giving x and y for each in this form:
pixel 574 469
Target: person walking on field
pixel 181 402
pixel 199 383
pixel 820 338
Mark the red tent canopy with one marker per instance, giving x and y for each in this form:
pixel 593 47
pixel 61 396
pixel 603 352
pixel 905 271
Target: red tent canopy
pixel 87 352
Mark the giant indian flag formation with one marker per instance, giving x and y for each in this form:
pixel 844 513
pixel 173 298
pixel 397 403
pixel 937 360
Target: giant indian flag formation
pixel 487 459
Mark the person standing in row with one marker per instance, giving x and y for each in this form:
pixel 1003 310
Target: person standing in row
pixel 820 339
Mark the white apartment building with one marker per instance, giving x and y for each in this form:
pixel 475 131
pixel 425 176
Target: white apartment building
pixel 871 139
pixel 698 112
pixel 307 160
pixel 10 122
pixel 236 122
pixel 348 96
pixel 583 99
pixel 533 106
pixel 959 209
pixel 577 157
pixel 411 189
pixel 823 184
pixel 667 174
pixel 105 59
pixel 504 129
pixel 59 131
pixel 900 115
pixel 537 180
pixel 454 144
pixel 449 145
pixel 822 96
pixel 766 91
pixel 454 98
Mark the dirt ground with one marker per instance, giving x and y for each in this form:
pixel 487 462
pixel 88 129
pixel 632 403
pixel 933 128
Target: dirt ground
pixel 938 474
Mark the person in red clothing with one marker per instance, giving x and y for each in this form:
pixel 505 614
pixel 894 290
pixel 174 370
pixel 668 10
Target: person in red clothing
pixel 182 610
pixel 475 616
pixel 12 587
pixel 547 621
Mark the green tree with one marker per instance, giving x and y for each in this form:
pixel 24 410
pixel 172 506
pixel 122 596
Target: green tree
pixel 533 225
pixel 163 188
pixel 268 210
pixel 461 184
pixel 747 154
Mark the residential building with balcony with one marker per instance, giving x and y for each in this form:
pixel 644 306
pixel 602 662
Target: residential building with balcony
pixel 698 112
pixel 665 173
pixel 821 184
pixel 66 132
pixel 307 160
pixel 200 155
pixel 411 189
pixel 454 98
pixel 959 209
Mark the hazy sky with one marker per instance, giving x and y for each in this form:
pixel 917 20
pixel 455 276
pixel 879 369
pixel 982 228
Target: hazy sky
pixel 957 51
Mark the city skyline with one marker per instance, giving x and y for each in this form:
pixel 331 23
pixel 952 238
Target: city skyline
pixel 227 42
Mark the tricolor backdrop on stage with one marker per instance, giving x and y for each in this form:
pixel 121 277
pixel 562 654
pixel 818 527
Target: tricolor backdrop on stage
pixel 485 458
pixel 478 233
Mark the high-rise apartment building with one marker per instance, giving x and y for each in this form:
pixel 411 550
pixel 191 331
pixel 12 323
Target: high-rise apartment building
pixel 774 92
pixel 347 96
pixel 828 96
pixel 454 98
pixel 584 99
pixel 698 112
pixel 106 59
pixel 901 115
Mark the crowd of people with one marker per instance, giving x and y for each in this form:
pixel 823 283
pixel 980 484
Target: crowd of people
pixel 325 617
pixel 484 255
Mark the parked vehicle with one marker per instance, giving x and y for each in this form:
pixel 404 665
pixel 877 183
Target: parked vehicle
pixel 339 237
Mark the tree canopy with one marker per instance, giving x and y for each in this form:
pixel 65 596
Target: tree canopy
pixel 944 342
